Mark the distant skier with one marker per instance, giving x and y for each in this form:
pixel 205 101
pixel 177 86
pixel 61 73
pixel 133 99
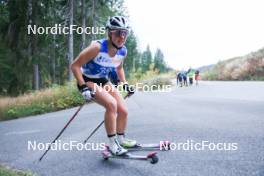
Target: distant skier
pixel 180 78
pixel 190 74
pixel 184 76
pixel 197 77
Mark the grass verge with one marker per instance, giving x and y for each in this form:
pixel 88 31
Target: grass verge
pixel 39 102
pixel 7 171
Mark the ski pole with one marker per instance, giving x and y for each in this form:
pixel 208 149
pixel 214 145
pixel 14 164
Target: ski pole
pixel 74 115
pixel 93 132
pixel 98 127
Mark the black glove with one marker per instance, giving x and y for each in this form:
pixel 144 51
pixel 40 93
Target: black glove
pixel 87 93
pixel 130 90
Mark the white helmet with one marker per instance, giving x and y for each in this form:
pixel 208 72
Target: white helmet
pixel 117 22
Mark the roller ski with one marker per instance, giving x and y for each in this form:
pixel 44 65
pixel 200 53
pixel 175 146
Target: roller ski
pixel 162 146
pixel 151 157
pixel 132 145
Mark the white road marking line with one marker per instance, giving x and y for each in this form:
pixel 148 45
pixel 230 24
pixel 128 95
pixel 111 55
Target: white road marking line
pixel 22 132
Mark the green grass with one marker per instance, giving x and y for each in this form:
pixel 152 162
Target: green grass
pixel 150 76
pixel 39 102
pixel 213 75
pixel 6 171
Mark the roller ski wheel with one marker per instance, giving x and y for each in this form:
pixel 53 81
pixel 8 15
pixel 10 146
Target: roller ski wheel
pixel 151 157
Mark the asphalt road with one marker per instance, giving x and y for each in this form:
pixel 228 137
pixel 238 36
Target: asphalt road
pixel 224 113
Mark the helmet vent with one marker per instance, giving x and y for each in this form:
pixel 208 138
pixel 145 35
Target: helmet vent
pixel 114 23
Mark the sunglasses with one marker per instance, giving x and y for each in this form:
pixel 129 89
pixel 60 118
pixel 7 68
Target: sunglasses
pixel 120 33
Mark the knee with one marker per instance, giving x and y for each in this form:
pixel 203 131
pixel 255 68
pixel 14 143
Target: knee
pixel 112 106
pixel 122 111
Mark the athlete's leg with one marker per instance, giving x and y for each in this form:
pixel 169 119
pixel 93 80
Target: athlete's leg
pixel 108 101
pixel 121 117
pixel 122 112
pixel 103 98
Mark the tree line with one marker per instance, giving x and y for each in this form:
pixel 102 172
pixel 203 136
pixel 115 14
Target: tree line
pixel 34 61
